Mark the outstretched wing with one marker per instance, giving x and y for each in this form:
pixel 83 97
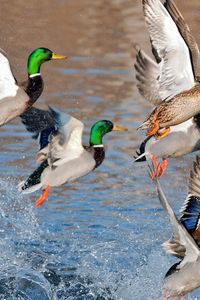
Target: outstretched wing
pixel 40 123
pixel 194 180
pixel 187 36
pixel 59 134
pixel 8 84
pixel 147 75
pixel 190 217
pixel 179 232
pixel 66 143
pixel 176 73
pixel 36 120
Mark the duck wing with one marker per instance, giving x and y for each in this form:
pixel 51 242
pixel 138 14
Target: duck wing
pixel 65 143
pixel 187 36
pixel 8 83
pixel 190 213
pixel 147 75
pixel 180 233
pixel 36 120
pixel 194 180
pixel 41 124
pixel 190 217
pixel 176 74
pixel 59 134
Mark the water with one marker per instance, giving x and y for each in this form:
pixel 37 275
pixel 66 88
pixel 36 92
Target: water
pixel 100 237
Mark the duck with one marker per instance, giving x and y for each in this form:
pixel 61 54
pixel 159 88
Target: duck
pixel 16 98
pixel 173 109
pixel 62 157
pixel 184 276
pixel 167 75
pixel 173 112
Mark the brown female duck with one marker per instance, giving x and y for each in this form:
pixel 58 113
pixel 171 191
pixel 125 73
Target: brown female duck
pixel 178 68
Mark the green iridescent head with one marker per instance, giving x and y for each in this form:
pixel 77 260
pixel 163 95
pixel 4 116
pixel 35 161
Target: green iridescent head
pixel 100 128
pixel 38 57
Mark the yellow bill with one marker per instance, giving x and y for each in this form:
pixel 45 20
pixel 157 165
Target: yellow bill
pixel 58 56
pixel 119 128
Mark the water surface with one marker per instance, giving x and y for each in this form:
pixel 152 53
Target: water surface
pixel 100 237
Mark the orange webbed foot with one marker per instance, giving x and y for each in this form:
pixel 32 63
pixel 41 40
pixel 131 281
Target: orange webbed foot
pixel 43 197
pixel 162 167
pixel 158 169
pixel 155 164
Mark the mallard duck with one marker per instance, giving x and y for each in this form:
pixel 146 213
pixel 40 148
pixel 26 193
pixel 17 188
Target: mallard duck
pixel 180 98
pixel 165 77
pixel 62 156
pixel 184 276
pixel 183 138
pixel 15 98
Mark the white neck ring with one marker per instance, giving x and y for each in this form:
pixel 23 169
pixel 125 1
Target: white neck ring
pixel 98 146
pixel 34 75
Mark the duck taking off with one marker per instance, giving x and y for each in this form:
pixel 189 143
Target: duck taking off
pixel 16 98
pixel 176 107
pixel 176 69
pixel 184 276
pixel 62 156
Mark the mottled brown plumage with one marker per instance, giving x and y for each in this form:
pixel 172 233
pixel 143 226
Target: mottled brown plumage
pixel 175 111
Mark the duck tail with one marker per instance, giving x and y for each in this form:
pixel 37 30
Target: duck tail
pixel 33 183
pixel 20 185
pixel 22 188
pixel 140 157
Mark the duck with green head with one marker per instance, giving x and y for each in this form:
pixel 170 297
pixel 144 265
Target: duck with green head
pixel 62 156
pixel 16 98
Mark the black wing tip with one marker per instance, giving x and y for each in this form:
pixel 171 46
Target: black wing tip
pixel 137 157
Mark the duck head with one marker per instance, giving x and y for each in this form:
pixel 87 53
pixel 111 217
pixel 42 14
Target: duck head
pixel 38 57
pixel 100 128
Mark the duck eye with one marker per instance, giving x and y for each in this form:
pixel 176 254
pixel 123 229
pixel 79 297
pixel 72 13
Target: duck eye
pixel 108 123
pixel 45 50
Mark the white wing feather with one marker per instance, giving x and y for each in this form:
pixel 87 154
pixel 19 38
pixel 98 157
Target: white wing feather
pixel 176 75
pixel 147 75
pixel 179 232
pixel 66 144
pixel 8 86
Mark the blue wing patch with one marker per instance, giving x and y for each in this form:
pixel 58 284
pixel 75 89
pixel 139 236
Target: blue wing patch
pixel 44 136
pixel 191 213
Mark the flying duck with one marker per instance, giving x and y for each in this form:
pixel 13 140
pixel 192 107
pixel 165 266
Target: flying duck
pixel 62 156
pixel 175 69
pixel 184 276
pixel 178 107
